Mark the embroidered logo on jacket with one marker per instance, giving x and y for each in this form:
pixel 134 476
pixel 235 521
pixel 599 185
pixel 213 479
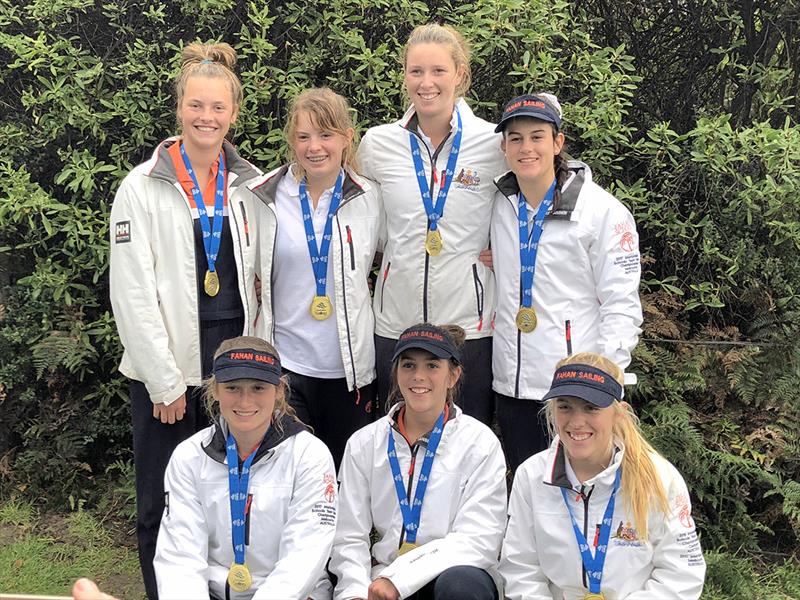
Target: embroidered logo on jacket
pixel 468 179
pixel 122 232
pixel 626 535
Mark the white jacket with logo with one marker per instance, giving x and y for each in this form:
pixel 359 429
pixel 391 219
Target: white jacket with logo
pixel 463 510
pixel 153 275
pixel 454 287
pixel 356 228
pixel 541 560
pixel 587 273
pixel 288 530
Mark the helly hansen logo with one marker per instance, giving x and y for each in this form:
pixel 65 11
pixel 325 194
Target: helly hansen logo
pixel 122 232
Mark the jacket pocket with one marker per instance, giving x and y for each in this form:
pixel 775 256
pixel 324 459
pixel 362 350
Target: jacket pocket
pixel 350 245
pixel 383 282
pixel 478 294
pixel 246 223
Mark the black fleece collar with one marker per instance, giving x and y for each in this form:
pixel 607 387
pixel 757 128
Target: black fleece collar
pixel 275 435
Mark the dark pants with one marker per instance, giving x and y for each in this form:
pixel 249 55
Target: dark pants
pixel 154 441
pixel 459 583
pixel 523 429
pixel 476 397
pixel 330 409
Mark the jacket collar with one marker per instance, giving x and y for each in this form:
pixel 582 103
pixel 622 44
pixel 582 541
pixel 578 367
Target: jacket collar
pixel 266 187
pixel 567 197
pixel 160 165
pixel 557 474
pixel 452 414
pixel 410 120
pixel 215 449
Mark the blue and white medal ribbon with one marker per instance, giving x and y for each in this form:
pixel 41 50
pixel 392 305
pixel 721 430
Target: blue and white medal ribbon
pixel 528 250
pixel 321 307
pixel 239 575
pixel 211 239
pixel 433 239
pixel 413 513
pixel 593 565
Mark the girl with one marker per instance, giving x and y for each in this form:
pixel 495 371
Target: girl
pixel 318 226
pixel 600 487
pixel 251 502
pixel 428 479
pixel 182 276
pixel 435 167
pixel 566 259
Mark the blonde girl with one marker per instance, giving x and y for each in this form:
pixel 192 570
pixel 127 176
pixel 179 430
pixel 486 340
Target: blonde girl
pixel 182 277
pixel 251 500
pixel 318 229
pixel 601 514
pixel 429 479
pixel 436 167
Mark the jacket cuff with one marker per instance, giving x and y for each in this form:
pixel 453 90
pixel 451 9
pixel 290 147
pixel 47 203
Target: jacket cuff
pixel 169 396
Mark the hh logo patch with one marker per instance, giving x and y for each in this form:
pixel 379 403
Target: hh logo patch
pixel 122 232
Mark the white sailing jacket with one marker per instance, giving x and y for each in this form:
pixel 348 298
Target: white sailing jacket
pixel 289 527
pixel 153 277
pixel 453 287
pixel 462 516
pixel 356 228
pixel 587 273
pixel 541 560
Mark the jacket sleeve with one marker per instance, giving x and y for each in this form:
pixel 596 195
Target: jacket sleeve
pixel 523 578
pixel 678 564
pixel 475 536
pixel 134 297
pixel 615 260
pixel 181 559
pixel 351 560
pixel 307 535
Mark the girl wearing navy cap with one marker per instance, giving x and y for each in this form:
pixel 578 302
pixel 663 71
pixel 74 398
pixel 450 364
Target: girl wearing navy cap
pixel 566 262
pixel 429 479
pixel 600 514
pixel 251 500
pixel 435 167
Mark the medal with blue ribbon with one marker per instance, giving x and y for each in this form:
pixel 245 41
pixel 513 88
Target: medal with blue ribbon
pixel 528 249
pixel 321 307
pixel 593 565
pixel 239 575
pixel 412 513
pixel 211 239
pixel 433 238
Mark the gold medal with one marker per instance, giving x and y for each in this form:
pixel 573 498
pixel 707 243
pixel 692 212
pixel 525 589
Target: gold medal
pixel 321 308
pixel 406 547
pixel 433 242
pixel 211 283
pixel 593 596
pixel 526 319
pixel 239 578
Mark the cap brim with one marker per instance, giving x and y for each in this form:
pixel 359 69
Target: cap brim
pixel 576 390
pixel 246 372
pixel 437 351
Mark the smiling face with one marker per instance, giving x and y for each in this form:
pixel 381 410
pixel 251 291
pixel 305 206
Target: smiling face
pixel 431 79
pixel 247 405
pixel 319 152
pixel 586 431
pixel 531 146
pixel 423 380
pixel 206 113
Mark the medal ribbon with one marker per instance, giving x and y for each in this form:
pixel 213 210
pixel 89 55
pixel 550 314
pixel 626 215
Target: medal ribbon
pixel 211 239
pixel 237 486
pixel 594 564
pixel 319 256
pixel 412 514
pixel 529 247
pixel 435 212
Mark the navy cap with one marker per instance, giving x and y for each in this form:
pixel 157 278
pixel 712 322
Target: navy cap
pixel 529 105
pixel 585 382
pixel 247 363
pixel 430 338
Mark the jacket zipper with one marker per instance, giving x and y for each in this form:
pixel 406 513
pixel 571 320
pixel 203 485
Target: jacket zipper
pixel 242 286
pixel 385 277
pixel 585 528
pixel 246 224
pixel 350 244
pixel 519 333
pixel 411 469
pixel 344 295
pixel 247 519
pixel 478 295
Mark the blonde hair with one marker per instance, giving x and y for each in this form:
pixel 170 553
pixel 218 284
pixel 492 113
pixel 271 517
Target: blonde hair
pixel 433 33
pixel 641 485
pixel 327 111
pixel 209 60
pixel 457 335
pixel 243 342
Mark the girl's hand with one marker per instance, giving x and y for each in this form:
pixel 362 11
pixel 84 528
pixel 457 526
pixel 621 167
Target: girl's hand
pixel 172 413
pixel 86 589
pixel 383 589
pixel 258 289
pixel 485 257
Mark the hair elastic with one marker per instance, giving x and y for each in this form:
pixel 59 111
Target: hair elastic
pixel 206 61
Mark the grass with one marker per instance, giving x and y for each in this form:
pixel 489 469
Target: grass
pixel 732 577
pixel 45 554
